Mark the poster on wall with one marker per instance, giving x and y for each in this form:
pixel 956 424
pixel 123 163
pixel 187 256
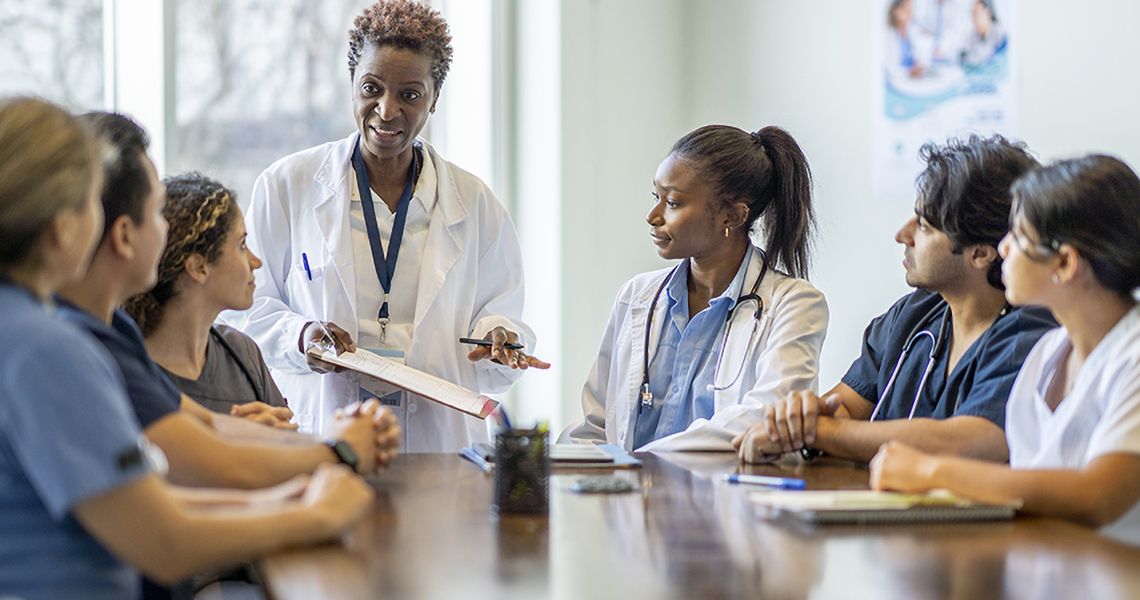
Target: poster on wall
pixel 945 68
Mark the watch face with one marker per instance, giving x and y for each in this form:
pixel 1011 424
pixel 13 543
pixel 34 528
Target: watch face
pixel 345 453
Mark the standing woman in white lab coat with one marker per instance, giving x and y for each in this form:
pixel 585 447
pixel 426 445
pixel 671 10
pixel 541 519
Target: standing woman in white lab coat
pixel 692 354
pixel 429 256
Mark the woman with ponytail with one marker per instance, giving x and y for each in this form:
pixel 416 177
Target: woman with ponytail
pixel 205 269
pixel 692 353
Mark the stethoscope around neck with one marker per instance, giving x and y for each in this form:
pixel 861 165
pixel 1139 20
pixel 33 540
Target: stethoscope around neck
pixel 937 343
pixel 751 296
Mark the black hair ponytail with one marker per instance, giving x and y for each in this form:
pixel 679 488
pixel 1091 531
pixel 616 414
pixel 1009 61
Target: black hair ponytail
pixel 768 170
pixel 788 219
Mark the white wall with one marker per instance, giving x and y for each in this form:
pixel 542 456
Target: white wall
pixel 620 115
pixel 809 67
pixel 619 70
pixel 636 75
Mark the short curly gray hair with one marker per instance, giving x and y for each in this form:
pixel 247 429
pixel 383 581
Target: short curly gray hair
pixel 403 24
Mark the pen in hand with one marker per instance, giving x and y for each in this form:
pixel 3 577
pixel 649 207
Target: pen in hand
pixel 489 343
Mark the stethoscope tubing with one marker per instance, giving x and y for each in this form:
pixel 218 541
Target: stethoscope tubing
pixel 646 395
pixel 936 343
pixel 916 333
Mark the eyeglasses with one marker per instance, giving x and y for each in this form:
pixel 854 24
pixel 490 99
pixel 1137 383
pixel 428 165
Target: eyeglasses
pixel 1034 250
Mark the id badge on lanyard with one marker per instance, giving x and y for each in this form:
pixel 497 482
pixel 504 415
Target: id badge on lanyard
pixel 385 263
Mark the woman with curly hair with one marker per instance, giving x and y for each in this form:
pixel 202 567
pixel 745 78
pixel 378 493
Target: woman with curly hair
pixel 206 268
pixel 429 256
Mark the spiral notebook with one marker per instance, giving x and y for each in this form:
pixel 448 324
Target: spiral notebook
pixel 868 507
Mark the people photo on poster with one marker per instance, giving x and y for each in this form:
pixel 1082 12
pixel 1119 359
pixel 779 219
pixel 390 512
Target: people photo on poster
pixel 947 67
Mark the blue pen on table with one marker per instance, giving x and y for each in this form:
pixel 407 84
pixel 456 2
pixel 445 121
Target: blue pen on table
pixel 473 456
pixel 783 483
pixel 305 262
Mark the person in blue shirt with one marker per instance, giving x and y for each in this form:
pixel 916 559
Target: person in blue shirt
pixel 204 448
pixel 82 499
pixel 936 369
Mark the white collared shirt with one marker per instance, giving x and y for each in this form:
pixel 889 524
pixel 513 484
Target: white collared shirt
pixel 406 283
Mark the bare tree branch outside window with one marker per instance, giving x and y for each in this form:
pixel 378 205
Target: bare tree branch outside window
pixel 257 80
pixel 53 49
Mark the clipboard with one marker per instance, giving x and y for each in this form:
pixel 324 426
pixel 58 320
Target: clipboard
pixel 412 380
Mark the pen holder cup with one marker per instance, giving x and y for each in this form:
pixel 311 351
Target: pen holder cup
pixel 522 471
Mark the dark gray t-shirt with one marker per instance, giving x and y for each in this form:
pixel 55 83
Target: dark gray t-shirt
pixel 223 382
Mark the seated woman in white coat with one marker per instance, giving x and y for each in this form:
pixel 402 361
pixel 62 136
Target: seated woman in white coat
pixel 1073 416
pixel 331 270
pixel 692 354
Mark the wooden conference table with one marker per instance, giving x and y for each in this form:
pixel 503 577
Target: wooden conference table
pixel 684 534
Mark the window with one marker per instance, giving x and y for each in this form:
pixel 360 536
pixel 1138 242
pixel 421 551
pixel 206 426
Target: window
pixel 256 80
pixel 53 50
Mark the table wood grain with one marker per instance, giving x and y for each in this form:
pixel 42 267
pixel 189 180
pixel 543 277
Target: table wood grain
pixel 683 534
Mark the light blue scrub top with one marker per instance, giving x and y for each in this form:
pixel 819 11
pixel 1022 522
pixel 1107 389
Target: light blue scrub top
pixel 686 357
pixel 66 435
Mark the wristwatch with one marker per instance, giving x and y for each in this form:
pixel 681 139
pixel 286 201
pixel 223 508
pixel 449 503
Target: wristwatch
pixel 344 453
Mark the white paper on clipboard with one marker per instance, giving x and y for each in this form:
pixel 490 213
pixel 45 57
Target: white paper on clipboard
pixel 413 380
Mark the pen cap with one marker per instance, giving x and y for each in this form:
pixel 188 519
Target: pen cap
pixel 522 470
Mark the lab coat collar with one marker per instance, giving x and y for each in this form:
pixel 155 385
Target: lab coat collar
pixel 425 192
pixel 332 209
pixel 678 287
pixel 447 195
pixel 639 307
pixel 335 227
pixel 334 172
pixel 745 278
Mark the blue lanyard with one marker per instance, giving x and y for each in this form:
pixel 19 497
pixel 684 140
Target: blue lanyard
pixel 385 265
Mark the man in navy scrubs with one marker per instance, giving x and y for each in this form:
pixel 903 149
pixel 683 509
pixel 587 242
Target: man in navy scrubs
pixel 936 369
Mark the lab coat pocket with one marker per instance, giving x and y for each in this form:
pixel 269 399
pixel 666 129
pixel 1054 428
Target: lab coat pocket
pixel 302 276
pixel 311 272
pixel 305 286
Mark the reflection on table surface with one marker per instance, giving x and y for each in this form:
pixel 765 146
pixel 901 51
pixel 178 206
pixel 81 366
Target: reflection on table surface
pixel 684 533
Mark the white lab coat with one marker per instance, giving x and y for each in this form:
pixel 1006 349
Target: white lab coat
pixel 471 280
pixel 782 356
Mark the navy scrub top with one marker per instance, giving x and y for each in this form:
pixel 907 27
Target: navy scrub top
pixel 980 383
pixel 152 394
